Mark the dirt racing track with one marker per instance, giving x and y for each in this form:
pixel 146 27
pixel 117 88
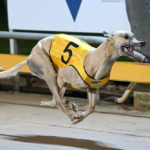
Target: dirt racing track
pixel 24 125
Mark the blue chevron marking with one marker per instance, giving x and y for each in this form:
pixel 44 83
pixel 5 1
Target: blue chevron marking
pixel 74 6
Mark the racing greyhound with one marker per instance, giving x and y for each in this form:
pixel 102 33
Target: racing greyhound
pixel 63 60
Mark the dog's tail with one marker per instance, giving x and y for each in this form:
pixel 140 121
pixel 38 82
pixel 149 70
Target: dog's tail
pixel 12 71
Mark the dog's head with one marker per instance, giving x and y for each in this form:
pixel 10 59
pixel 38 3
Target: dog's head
pixel 124 43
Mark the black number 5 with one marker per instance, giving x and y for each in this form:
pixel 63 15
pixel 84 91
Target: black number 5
pixel 69 51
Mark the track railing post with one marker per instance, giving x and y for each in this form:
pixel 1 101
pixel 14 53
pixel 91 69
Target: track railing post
pixel 14 49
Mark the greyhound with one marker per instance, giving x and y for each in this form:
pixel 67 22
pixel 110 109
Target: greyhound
pixel 97 64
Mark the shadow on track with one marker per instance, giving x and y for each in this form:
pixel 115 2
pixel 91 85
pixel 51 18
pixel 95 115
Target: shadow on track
pixel 61 141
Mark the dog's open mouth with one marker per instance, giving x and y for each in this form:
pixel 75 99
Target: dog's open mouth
pixel 128 50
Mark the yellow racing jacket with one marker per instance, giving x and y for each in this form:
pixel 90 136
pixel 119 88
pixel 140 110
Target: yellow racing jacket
pixel 66 50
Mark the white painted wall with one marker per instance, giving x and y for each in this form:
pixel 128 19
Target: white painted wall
pixel 94 16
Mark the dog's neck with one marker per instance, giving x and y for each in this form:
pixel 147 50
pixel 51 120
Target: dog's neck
pixel 99 61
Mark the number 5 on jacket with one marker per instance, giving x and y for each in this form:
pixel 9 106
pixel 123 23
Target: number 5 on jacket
pixel 69 51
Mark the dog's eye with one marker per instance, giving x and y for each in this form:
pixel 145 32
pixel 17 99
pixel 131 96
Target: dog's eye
pixel 126 37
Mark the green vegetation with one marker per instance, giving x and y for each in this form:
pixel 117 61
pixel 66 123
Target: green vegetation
pixel 4 43
pixel 142 100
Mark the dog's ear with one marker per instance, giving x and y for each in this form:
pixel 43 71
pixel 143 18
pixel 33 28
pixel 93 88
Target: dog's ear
pixel 106 34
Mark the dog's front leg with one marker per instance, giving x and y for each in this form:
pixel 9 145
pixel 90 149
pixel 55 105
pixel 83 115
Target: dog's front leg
pixel 91 107
pixel 61 83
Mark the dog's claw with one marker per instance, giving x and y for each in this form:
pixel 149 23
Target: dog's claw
pixel 48 103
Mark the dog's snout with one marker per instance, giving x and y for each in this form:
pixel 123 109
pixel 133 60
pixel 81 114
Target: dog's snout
pixel 146 60
pixel 142 43
pixel 138 43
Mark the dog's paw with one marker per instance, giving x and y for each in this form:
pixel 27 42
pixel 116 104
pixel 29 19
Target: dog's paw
pixel 119 100
pixel 48 103
pixel 77 118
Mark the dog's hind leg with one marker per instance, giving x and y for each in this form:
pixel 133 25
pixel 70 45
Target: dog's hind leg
pixel 37 62
pixel 52 103
pixel 41 66
pixel 126 93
